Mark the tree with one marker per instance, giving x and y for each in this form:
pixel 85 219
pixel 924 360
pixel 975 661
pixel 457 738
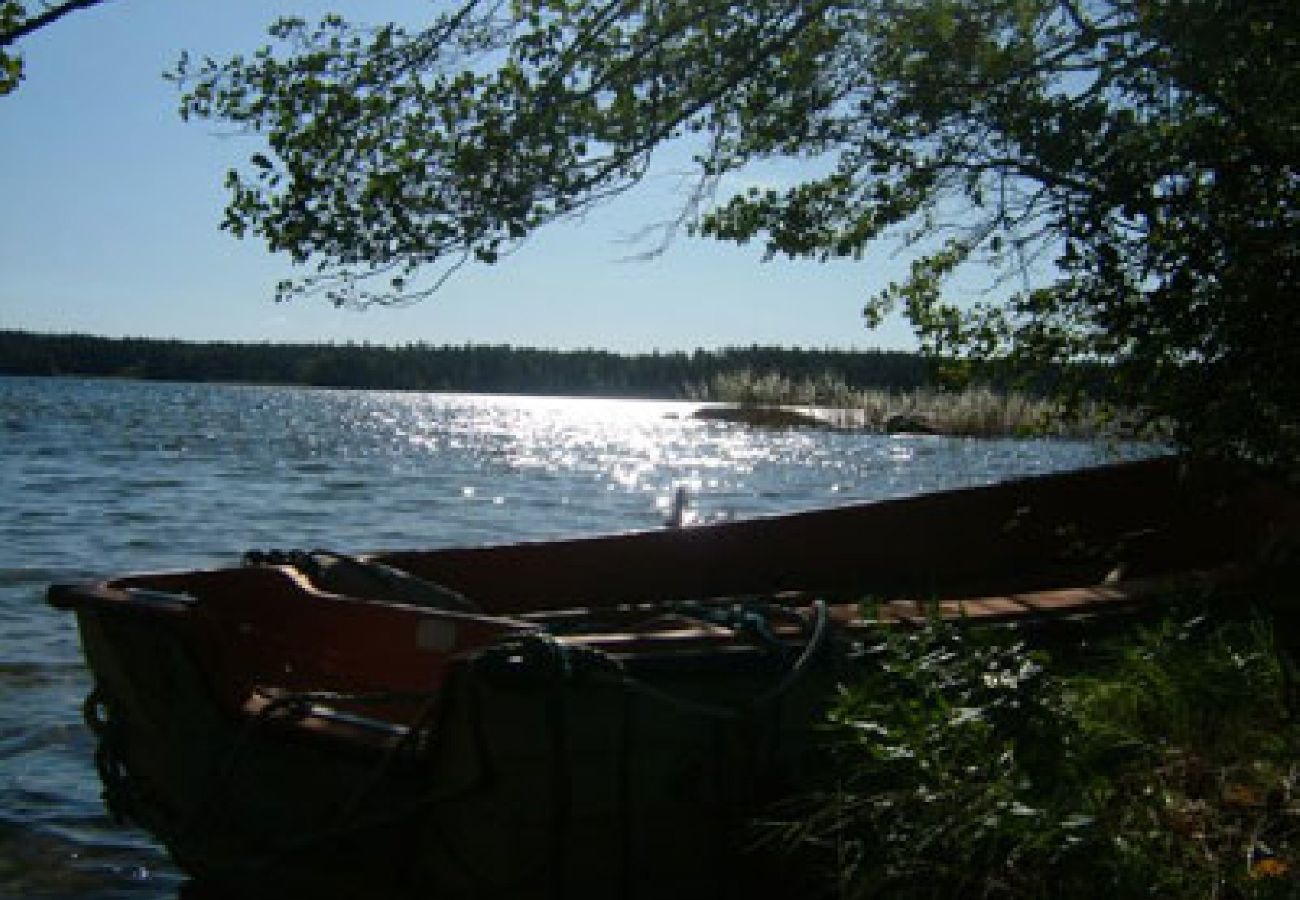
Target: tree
pixel 18 19
pixel 1127 170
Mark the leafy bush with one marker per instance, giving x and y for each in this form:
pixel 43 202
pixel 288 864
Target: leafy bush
pixel 969 765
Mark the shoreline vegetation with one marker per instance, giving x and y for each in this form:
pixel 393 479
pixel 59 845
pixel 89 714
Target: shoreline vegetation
pixel 878 391
pixel 775 401
pixel 1158 760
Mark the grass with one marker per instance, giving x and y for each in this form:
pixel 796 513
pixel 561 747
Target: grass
pixel 975 411
pixel 1163 763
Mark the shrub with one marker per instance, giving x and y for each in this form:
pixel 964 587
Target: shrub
pixel 967 764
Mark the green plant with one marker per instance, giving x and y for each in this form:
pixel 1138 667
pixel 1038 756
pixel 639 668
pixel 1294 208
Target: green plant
pixel 951 757
pixel 967 764
pixel 1198 721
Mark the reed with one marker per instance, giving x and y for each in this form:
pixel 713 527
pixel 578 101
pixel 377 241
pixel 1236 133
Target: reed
pixel 976 411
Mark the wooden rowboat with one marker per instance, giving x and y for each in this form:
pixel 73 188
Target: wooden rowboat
pixel 592 717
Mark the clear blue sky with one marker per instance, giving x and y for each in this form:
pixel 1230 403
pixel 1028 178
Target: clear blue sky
pixel 109 206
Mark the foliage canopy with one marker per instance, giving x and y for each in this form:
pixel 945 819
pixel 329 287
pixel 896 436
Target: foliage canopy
pixel 1127 170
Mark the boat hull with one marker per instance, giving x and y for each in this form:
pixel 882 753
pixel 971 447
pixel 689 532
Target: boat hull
pixel 615 711
pixel 526 780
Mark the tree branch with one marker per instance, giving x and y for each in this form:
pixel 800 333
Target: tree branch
pixel 48 17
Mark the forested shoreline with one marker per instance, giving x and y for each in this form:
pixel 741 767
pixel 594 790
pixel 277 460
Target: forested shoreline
pixel 470 367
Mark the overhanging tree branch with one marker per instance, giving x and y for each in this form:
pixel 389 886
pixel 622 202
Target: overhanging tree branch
pixel 1129 161
pixel 48 16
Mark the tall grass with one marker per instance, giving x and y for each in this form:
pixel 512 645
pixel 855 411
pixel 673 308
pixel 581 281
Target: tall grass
pixel 969 765
pixel 977 411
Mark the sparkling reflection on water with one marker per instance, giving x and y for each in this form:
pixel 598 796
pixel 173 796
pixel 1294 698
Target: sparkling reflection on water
pixel 98 477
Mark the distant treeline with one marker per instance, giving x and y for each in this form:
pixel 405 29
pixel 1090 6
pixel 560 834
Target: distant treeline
pixel 426 367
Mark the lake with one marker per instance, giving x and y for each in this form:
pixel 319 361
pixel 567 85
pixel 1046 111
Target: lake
pixel 100 477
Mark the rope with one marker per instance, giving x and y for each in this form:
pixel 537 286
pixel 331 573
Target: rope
pixel 121 794
pixel 791 677
pixel 569 656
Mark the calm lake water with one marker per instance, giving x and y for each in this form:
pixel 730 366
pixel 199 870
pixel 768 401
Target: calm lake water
pixel 100 477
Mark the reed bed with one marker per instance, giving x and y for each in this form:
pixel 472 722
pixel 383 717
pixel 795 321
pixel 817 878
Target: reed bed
pixel 975 411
